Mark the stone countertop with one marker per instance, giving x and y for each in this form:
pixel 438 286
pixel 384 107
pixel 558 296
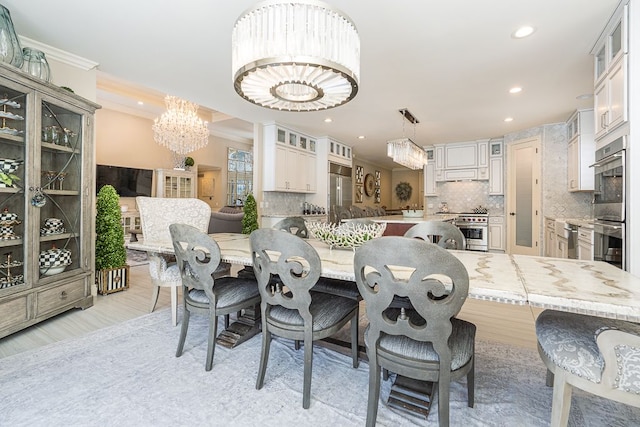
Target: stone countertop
pixel 580 222
pixel 311 216
pixel 590 287
pixel 399 219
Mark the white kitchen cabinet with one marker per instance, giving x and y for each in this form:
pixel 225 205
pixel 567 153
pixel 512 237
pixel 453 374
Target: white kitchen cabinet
pixel 339 152
pixel 176 183
pixel 496 168
pixel 562 248
pixel 461 156
pixel 585 243
pixel 550 237
pixel 610 79
pixel 430 188
pixel 289 161
pixel 496 233
pixel 580 151
pixel 462 161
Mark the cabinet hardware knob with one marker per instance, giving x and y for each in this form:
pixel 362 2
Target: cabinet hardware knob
pixel 512 213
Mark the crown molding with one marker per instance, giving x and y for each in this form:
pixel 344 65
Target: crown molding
pixel 59 54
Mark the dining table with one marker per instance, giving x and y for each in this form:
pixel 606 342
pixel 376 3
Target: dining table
pixel 589 287
pixel 580 286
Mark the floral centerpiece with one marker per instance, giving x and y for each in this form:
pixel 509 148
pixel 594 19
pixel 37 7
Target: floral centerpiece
pixel 348 235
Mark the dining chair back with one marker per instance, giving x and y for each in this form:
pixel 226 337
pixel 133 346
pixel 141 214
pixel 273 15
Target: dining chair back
pixel 600 356
pixel 294 225
pixel 289 307
pixel 341 213
pixel 156 214
pixel 357 212
pixel 422 340
pixel 445 234
pixel 198 257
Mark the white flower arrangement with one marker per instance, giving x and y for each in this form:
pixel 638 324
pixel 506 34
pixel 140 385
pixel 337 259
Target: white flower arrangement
pixel 349 235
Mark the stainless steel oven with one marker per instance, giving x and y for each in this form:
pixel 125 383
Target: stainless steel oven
pixel 608 243
pixel 475 229
pixel 609 191
pixel 609 204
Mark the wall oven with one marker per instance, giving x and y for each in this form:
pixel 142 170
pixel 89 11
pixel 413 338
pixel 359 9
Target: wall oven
pixel 609 204
pixel 475 229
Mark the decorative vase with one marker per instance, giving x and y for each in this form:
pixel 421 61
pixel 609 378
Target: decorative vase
pixel 36 64
pixel 10 51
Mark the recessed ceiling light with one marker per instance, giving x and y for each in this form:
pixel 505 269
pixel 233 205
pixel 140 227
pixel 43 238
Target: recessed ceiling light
pixel 140 103
pixel 361 137
pixel 515 89
pixel 522 32
pixel 508 119
pixel 328 120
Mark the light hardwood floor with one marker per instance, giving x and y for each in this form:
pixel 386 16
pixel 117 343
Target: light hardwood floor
pixel 504 323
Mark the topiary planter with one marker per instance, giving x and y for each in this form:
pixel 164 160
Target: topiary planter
pixel 112 280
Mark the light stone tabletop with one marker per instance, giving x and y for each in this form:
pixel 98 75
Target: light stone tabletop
pixel 590 287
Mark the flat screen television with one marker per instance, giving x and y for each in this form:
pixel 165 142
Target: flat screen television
pixel 128 182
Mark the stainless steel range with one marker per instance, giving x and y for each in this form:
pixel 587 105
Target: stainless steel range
pixel 475 227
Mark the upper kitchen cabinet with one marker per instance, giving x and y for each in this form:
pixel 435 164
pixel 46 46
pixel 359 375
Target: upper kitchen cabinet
pixel 496 167
pixel 339 153
pixel 462 161
pixel 611 69
pixel 289 160
pixel 430 173
pixel 47 190
pixel 581 151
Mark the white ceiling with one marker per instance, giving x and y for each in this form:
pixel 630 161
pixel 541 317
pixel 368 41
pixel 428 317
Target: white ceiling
pixel 451 63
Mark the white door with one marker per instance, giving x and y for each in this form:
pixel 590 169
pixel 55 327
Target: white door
pixel 523 196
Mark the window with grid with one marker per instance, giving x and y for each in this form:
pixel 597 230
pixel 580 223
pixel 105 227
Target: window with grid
pixel 239 175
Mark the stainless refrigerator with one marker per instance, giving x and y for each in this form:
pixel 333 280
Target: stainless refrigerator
pixel 340 188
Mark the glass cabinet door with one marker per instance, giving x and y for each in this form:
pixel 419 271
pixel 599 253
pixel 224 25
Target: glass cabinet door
pixel 13 108
pixel 56 195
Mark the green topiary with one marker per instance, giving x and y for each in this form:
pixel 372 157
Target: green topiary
pixel 250 218
pixel 110 250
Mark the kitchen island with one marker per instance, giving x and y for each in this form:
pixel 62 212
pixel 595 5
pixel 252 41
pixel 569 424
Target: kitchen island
pixel 397 225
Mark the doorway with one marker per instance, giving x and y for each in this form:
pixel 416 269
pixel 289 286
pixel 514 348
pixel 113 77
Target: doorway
pixel 523 196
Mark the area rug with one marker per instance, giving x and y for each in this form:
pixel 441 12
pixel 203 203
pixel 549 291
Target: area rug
pixel 128 375
pixel 135 258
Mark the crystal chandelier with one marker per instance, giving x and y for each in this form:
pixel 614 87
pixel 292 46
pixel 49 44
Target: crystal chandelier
pixel 404 151
pixel 179 128
pixel 295 56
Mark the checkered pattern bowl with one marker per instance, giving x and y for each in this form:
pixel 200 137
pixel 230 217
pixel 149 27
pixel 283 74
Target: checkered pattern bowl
pixel 55 257
pixel 9 165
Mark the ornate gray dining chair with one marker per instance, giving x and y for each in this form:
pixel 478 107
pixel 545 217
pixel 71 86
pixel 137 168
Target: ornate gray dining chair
pixel 357 212
pixel 156 214
pixel 600 356
pixel 369 211
pixel 294 225
pixel 424 340
pixel 289 307
pixel 341 213
pixel 198 257
pixel 445 234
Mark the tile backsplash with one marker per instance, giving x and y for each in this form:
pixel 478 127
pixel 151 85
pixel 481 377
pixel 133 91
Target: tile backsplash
pixel 464 196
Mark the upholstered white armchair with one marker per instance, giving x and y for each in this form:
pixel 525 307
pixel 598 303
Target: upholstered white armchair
pixel 156 215
pixel 598 355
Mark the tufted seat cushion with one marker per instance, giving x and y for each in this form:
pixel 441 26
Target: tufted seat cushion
pixel 326 309
pixel 229 291
pixel 461 343
pixel 569 341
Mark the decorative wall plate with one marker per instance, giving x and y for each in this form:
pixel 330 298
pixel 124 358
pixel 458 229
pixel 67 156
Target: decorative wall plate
pixel 369 185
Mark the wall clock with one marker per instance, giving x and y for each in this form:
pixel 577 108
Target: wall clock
pixel 369 185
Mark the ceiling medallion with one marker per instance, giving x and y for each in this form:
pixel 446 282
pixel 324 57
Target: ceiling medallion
pixel 295 56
